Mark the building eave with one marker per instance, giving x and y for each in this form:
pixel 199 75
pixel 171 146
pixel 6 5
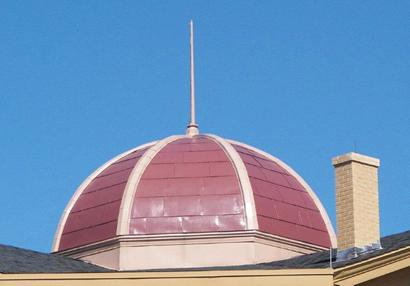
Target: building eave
pixel 373 267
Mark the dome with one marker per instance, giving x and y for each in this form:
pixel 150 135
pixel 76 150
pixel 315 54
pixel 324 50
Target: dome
pixel 185 185
pixel 194 200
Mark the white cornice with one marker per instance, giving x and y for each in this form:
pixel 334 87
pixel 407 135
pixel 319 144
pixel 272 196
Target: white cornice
pixel 192 238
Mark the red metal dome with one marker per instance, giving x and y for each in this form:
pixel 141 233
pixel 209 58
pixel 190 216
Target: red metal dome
pixel 192 201
pixel 199 184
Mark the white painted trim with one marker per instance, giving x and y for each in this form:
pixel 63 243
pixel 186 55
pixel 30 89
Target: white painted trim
pixel 190 238
pixel 80 189
pixel 133 181
pixel 312 194
pixel 190 250
pixel 244 182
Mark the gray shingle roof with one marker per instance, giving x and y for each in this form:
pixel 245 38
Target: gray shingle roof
pixel 18 260
pixel 322 259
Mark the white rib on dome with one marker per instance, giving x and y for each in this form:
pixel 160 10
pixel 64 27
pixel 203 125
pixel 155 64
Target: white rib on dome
pixel 133 181
pixel 80 189
pixel 318 203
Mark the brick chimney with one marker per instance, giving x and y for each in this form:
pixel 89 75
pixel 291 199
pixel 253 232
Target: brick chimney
pixel 357 204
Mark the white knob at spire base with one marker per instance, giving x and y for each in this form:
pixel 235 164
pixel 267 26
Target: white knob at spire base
pixel 192 130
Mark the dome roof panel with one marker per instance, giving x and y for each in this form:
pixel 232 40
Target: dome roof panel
pixel 93 216
pixel 197 183
pixel 280 200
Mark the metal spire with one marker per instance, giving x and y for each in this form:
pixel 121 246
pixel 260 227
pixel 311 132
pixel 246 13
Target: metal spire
pixel 192 128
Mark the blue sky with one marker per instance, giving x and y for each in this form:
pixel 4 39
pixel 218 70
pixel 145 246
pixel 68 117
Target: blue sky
pixel 82 81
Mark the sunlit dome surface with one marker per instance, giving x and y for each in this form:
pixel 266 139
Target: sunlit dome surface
pixel 194 200
pixel 193 184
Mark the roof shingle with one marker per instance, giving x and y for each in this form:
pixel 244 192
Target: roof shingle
pixel 18 260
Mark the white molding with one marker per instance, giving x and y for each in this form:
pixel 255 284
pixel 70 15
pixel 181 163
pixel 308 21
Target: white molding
pixel 80 189
pixel 244 182
pixel 152 240
pixel 312 194
pixel 133 181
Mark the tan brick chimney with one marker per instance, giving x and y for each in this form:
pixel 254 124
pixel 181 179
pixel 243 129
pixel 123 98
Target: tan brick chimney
pixel 357 204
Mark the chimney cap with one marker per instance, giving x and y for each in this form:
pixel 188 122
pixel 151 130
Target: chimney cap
pixel 355 157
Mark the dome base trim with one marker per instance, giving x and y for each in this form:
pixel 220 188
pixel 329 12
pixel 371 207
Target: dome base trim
pixel 190 250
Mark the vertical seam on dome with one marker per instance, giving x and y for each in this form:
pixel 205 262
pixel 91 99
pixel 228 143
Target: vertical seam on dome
pixel 312 194
pixel 81 188
pixel 133 182
pixel 244 182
